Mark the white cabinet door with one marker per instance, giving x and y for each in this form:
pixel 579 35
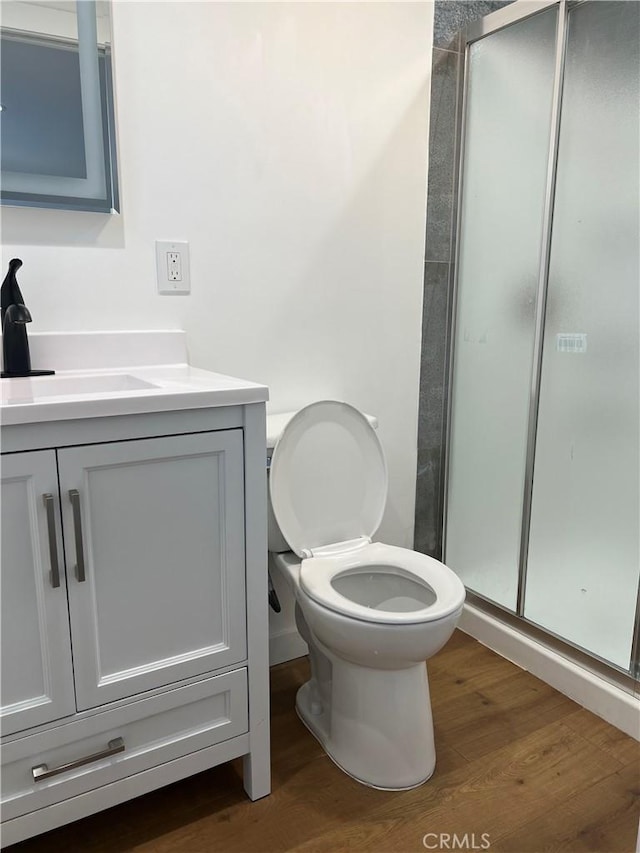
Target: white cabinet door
pixel 154 542
pixel 36 681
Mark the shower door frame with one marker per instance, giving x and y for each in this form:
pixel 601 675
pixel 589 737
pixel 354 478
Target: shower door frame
pixel 499 20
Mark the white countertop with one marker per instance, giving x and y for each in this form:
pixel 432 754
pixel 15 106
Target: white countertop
pixel 111 388
pixel 170 387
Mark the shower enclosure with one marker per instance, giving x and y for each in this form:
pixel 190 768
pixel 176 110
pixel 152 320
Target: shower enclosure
pixel 542 469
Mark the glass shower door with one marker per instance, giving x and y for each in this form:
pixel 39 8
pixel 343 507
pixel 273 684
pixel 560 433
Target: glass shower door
pixel 583 560
pixel 510 76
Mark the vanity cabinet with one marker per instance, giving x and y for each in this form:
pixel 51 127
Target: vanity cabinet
pixel 132 647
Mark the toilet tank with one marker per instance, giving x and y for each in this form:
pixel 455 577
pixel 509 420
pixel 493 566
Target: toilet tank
pixel 275 425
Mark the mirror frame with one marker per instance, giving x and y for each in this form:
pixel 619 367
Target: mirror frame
pixel 110 201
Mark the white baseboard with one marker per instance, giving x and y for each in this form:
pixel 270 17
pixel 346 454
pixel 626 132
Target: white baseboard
pixel 592 691
pixel 286 646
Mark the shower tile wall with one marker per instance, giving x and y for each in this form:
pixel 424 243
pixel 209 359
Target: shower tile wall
pixel 450 17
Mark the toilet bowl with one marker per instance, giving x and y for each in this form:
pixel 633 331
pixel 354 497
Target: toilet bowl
pixel 371 613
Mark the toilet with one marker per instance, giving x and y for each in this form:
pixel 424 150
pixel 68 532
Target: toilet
pixel 370 613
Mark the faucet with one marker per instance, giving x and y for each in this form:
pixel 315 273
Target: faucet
pixel 14 315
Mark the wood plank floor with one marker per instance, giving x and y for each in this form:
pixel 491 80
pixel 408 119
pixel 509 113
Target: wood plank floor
pixel 516 760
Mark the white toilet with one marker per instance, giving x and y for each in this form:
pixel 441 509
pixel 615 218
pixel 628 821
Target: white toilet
pixel 370 613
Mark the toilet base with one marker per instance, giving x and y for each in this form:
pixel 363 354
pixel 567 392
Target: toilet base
pixel 385 752
pixel 314 723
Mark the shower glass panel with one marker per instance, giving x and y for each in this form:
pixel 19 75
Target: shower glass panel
pixel 507 128
pixel 583 564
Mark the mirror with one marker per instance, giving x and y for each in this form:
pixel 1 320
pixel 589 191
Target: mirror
pixel 57 133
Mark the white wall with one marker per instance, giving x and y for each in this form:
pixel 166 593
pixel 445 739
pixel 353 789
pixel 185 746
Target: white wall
pixel 288 143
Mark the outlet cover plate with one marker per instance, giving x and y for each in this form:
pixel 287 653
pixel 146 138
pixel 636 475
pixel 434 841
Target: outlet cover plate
pixel 167 285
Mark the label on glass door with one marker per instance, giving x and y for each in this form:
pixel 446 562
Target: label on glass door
pixel 571 342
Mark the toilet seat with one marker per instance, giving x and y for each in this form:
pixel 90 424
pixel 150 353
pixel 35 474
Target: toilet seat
pixel 319 574
pixel 328 478
pixel 328 485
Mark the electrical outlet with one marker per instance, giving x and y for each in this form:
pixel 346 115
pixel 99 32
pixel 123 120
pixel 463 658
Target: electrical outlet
pixel 174 266
pixel 172 262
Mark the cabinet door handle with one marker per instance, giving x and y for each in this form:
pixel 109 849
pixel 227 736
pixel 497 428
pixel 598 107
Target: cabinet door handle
pixel 41 771
pixel 53 542
pixel 74 497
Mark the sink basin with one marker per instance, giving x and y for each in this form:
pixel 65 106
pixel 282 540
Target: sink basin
pixel 43 387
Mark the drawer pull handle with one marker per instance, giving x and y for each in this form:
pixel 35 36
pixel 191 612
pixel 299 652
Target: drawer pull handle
pixel 42 771
pixel 53 543
pixel 74 497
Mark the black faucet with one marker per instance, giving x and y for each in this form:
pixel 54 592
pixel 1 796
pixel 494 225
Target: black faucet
pixel 14 315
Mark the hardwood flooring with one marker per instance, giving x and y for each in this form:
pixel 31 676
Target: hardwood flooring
pixel 516 760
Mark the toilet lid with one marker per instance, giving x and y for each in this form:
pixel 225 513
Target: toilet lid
pixel 328 477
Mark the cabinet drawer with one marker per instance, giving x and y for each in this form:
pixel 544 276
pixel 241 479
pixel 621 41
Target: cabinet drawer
pixel 152 731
